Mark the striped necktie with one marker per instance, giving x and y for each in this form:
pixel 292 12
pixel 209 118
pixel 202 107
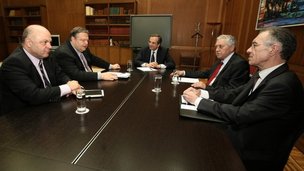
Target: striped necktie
pixel 255 79
pixel 214 74
pixel 45 80
pixel 84 63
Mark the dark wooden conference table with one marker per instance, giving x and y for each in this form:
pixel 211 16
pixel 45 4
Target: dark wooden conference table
pixel 130 128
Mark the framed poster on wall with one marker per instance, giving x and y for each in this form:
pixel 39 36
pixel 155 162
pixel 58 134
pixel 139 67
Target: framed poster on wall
pixel 283 13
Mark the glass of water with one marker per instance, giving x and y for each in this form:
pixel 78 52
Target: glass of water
pixel 81 102
pixel 175 79
pixel 157 83
pixel 129 65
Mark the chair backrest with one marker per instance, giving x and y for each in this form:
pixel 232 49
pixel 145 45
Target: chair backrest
pixel 1 98
pixel 292 140
pixel 300 143
pixel 252 70
pixel 189 60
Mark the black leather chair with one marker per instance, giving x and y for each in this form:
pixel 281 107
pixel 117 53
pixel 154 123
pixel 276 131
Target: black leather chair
pixel 1 98
pixel 278 163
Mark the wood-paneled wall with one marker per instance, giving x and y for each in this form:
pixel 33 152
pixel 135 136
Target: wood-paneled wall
pixel 237 17
pixel 64 15
pixel 239 20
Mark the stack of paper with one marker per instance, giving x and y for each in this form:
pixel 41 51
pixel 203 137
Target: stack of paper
pixel 188 80
pixel 146 69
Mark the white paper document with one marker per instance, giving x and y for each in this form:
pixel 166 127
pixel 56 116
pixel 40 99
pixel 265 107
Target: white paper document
pixel 122 75
pixel 188 80
pixel 146 69
pixel 185 105
pixel 97 69
pixel 188 107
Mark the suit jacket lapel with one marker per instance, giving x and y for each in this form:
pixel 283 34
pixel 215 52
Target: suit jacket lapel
pixel 241 98
pixel 275 73
pixel 46 64
pixel 226 66
pixel 32 69
pixel 75 54
pixel 159 55
pixel 73 50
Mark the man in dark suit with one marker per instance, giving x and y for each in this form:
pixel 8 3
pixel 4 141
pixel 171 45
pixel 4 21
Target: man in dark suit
pixel 76 60
pixel 29 76
pixel 154 56
pixel 265 118
pixel 233 68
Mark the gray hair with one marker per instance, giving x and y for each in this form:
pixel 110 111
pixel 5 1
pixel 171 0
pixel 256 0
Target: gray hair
pixel 285 37
pixel 228 38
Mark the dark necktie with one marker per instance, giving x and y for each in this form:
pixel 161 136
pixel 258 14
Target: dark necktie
pixel 214 74
pixel 46 81
pixel 255 78
pixel 84 63
pixel 152 59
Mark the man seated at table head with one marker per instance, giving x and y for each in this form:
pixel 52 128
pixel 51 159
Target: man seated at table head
pixel 76 60
pixel 29 76
pixel 229 71
pixel 154 55
pixel 266 115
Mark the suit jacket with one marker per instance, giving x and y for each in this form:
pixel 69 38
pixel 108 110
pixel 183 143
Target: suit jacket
pixel 22 84
pixel 265 124
pixel 163 57
pixel 234 74
pixel 70 62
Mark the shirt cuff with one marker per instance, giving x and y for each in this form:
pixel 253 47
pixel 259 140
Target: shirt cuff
pixel 162 66
pixel 98 75
pixel 204 94
pixel 144 64
pixel 64 90
pixel 197 101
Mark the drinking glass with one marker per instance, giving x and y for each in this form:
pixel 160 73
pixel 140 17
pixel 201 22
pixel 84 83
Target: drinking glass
pixel 157 83
pixel 129 66
pixel 81 102
pixel 175 79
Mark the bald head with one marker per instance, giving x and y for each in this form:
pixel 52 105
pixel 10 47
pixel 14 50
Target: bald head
pixel 36 40
pixel 33 31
